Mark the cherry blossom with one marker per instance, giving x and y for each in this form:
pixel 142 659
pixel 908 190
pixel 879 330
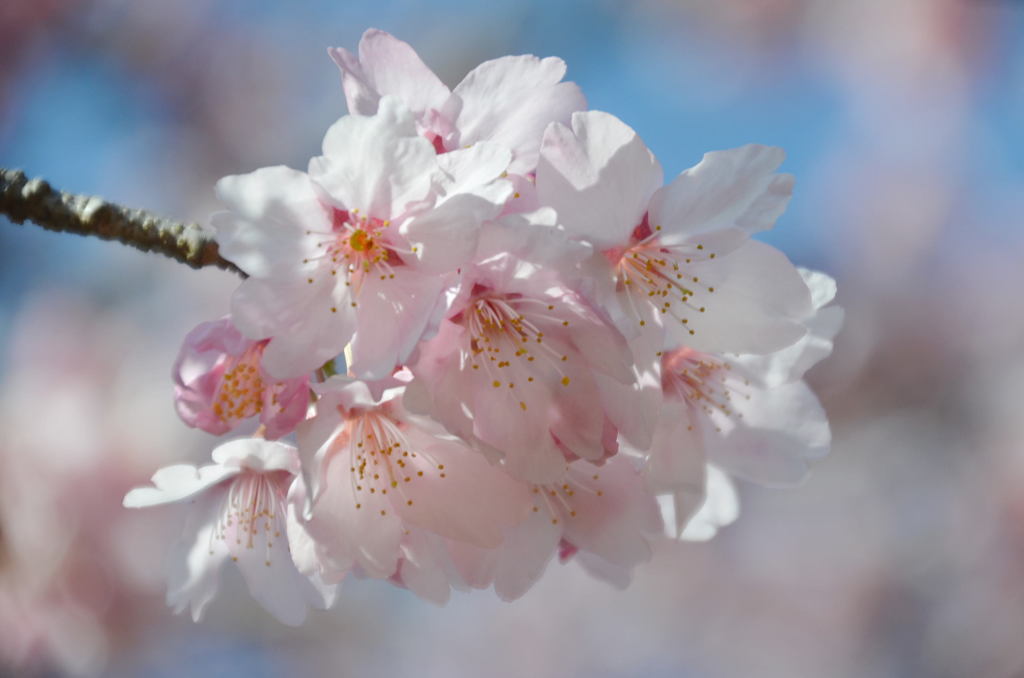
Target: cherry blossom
pixel 601 515
pixel 509 100
pixel 327 259
pixel 377 473
pixel 751 415
pixel 239 512
pixel 513 370
pixel 678 257
pixel 548 354
pixel 219 382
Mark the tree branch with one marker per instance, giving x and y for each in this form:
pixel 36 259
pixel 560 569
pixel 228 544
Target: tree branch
pixel 37 201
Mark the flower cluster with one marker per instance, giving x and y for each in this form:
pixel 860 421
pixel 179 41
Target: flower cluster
pixel 548 352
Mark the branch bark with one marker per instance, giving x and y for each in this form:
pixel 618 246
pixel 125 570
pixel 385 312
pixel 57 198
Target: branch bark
pixel 35 200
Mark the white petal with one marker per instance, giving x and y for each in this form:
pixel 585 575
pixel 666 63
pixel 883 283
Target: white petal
pixel 616 575
pixel 822 286
pixel 195 563
pixel 305 332
pixel 792 362
pixel 177 483
pixel 511 100
pixel 758 304
pixel 533 237
pixel 720 508
pixel 257 454
pixel 393 315
pixel 271 209
pixel 386 65
pixel 780 429
pixel 734 188
pixel 599 176
pixel 271 575
pixel 378 164
pixel 467 169
pixel 676 461
pixel 446 236
pixel 615 513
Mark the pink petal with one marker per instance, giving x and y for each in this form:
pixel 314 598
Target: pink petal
pixel 615 513
pixel 525 555
pixel 460 495
pixel 392 316
pixel 355 525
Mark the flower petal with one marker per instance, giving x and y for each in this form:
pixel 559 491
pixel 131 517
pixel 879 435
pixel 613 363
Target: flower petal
pixel 177 483
pixel 386 65
pixel 257 454
pixel 298 315
pixel 468 499
pixel 615 513
pixel 195 563
pixel 426 568
pixel 376 164
pixel 720 508
pixel 599 176
pixel 754 301
pixel 735 188
pixel 779 430
pixel 265 562
pixel 511 100
pixel 271 209
pixel 393 315
pixel 353 525
pixel 525 555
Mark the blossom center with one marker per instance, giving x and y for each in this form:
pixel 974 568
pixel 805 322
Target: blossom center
pixel 251 512
pixel 357 248
pixel 240 393
pixel 506 339
pixel 703 381
pixel 557 499
pixel 360 241
pixel 654 279
pixel 381 461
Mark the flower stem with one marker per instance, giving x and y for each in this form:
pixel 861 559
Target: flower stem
pixel 38 202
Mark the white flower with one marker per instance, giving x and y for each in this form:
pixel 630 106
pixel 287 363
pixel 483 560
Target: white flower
pixel 356 250
pixel 240 512
pixel 677 259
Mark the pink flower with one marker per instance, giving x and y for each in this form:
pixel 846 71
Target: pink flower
pixel 520 369
pixel 602 516
pixel 219 382
pixel 508 101
pixel 377 473
pixel 678 258
pixel 328 257
pixel 751 415
pixel 239 511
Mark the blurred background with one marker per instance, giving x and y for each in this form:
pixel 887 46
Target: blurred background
pixel 902 555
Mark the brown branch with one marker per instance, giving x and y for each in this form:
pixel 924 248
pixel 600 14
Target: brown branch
pixel 38 202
